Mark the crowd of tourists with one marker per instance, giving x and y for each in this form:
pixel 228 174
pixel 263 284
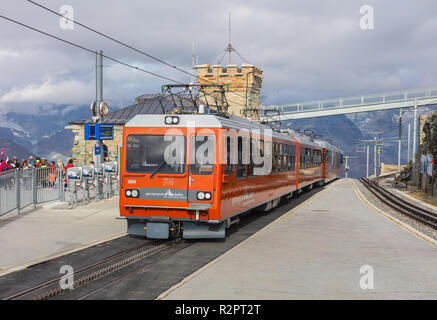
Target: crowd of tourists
pixel 44 178
pixel 25 164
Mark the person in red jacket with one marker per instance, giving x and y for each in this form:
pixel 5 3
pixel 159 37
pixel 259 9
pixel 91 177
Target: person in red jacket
pixel 52 175
pixel 69 165
pixel 3 165
pixel 3 169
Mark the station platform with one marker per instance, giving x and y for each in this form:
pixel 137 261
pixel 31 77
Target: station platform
pixel 335 245
pixel 48 232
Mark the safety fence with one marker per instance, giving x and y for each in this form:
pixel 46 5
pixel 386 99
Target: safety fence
pixel 22 188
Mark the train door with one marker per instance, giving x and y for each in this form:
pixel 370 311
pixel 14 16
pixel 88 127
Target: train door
pixel 324 164
pixel 202 170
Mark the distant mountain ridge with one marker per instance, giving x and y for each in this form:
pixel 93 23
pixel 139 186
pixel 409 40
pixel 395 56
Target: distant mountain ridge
pixel 12 149
pixel 40 134
pixel 43 134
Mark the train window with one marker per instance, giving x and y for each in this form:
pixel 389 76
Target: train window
pixel 288 164
pixel 274 164
pixel 241 168
pixel 292 159
pixel 229 168
pixel 284 157
pixel 316 158
pixel 276 157
pixel 258 154
pixel 155 153
pixel 307 157
pixel 251 152
pixel 202 154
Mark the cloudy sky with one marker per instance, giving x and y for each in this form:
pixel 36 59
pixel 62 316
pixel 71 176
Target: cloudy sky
pixel 308 49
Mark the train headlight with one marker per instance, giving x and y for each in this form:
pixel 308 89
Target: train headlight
pixel 203 195
pixel 128 193
pixel 171 120
pixel 135 193
pixel 168 120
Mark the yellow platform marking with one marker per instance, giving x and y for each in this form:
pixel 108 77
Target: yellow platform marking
pixel 256 234
pixel 400 223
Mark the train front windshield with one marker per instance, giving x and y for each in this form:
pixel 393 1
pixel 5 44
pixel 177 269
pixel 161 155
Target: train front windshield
pixel 156 154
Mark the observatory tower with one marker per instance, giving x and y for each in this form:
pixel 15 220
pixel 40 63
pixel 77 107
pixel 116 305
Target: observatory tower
pixel 242 83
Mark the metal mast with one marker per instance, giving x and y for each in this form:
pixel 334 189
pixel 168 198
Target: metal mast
pixel 99 96
pixel 229 45
pixel 229 49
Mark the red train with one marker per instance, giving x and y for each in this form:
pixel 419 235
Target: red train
pixel 193 175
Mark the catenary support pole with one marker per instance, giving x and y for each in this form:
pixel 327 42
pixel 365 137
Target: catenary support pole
pixel 379 160
pixel 367 167
pixel 374 157
pixel 99 99
pixel 414 141
pixel 400 140
pixel 409 141
pixel 99 95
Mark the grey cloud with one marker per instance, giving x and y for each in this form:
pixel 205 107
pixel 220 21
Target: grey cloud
pixel 307 49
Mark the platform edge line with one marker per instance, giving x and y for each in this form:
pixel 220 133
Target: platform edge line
pixel 400 223
pixel 219 258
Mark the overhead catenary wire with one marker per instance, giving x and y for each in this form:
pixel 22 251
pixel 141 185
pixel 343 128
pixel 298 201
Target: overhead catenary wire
pixel 133 48
pixel 94 52
pixel 87 49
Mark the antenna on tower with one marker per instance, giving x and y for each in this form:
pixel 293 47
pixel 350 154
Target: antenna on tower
pixel 230 48
pixel 229 45
pixel 192 61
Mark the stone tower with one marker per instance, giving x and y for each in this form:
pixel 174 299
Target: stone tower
pixel 243 86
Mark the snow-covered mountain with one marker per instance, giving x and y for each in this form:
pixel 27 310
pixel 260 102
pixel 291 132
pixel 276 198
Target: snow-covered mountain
pixel 41 134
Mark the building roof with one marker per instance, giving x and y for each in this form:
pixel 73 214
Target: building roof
pixel 146 104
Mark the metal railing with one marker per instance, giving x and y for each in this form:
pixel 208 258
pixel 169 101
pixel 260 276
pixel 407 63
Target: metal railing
pixel 8 192
pixel 398 96
pixel 22 188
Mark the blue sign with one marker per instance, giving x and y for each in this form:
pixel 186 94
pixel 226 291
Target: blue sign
pixel 97 150
pixel 99 131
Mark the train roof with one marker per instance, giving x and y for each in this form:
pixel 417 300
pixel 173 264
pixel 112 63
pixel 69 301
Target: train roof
pixel 215 121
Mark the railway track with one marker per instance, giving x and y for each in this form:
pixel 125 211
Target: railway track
pixel 404 207
pixel 35 292
pixel 94 279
